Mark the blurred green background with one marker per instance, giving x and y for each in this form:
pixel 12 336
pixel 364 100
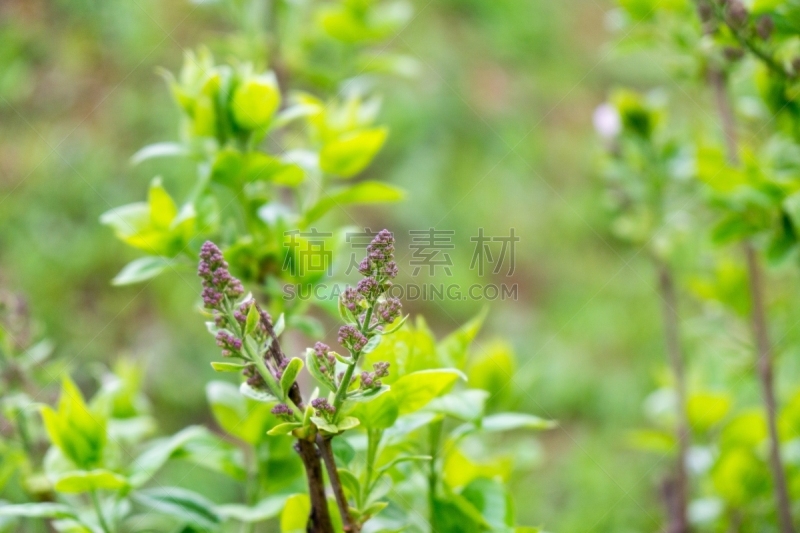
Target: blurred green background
pixel 494 132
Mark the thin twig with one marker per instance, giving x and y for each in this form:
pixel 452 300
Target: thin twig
pixel 328 458
pixel 758 319
pixel 677 491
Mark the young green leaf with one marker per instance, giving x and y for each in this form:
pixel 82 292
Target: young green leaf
pixel 253 318
pixel 224 366
pixel 290 374
pixel 284 429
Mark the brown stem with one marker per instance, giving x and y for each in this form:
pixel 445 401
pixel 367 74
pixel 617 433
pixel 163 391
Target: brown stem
pixel 326 449
pixel 758 320
pixel 676 491
pixel 765 374
pixel 319 520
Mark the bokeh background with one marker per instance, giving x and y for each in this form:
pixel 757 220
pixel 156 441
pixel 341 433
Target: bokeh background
pixel 493 132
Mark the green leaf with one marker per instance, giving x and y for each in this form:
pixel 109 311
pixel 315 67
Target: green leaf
pixel 290 374
pixel 403 459
pixel 223 366
pixel 86 481
pixel 188 506
pixel 349 422
pixel 267 508
pixel 313 368
pixel 38 510
pixel 509 421
pixel 379 412
pixel 253 318
pixel 77 431
pixel 258 395
pixel 145 466
pixel 467 405
pixel 413 391
pixel 162 207
pixel 284 429
pixel 491 500
pixel 295 514
pixel 235 414
pixel 255 102
pixel 350 482
pixel 352 153
pixel 142 269
pixel 706 409
pixel 279 325
pixel 374 508
pixel 372 343
pixel 165 149
pixel 365 192
pixel 452 350
pixel 324 425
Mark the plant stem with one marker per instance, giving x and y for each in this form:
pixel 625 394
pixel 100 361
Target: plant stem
pixel 434 439
pixel 324 445
pixel 99 511
pixel 348 373
pixel 319 520
pixel 373 441
pixel 758 320
pixel 676 496
pixel 765 374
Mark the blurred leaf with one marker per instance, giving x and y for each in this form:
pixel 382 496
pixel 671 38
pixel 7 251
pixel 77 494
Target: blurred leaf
pixel 295 514
pixel 705 409
pixel 413 391
pixel 365 192
pixel 243 419
pixel 491 500
pixel 352 153
pixel 164 149
pixel 142 269
pixel 185 505
pixel 467 405
pixel 452 349
pixel 86 481
pixel 145 466
pixel 37 510
pixel 265 509
pixel 255 101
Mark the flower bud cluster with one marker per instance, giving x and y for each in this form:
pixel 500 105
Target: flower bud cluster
pixel 351 338
pixel 323 408
pixel 371 380
pixel 326 361
pixel 379 262
pixel 283 412
pixel 220 289
pixel 217 279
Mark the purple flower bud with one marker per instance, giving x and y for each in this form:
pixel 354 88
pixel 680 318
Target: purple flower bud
pixel 323 407
pixel 368 288
pixel 350 298
pixel 388 311
pixel 283 411
pixel 254 379
pixel 381 369
pixel 351 338
pixel 217 280
pixel 380 257
pixel 230 345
